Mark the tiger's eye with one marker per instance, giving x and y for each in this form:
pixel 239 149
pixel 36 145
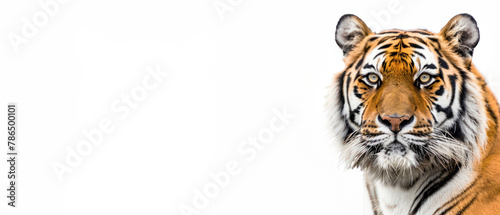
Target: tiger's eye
pixel 373 78
pixel 424 78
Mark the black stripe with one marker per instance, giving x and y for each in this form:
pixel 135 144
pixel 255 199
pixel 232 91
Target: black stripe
pixel 382 52
pixel 468 205
pixel 419 40
pixel 431 181
pixel 448 111
pixel 390 32
pixel 456 197
pixel 456 131
pixel 435 119
pixel 438 52
pixel 440 75
pixel 385 46
pixel 382 40
pixel 348 82
pixel 356 92
pixel 414 45
pixel 491 112
pixel 433 39
pixel 401 36
pixel 420 32
pixel 434 188
pixel 352 115
pixel 419 54
pixel 363 82
pixel 429 66
pixel 341 98
pixel 453 205
pixel 443 63
pixel 463 105
pixel 372 193
pixel 400 45
pixel 369 66
pixel 440 91
pixel 360 61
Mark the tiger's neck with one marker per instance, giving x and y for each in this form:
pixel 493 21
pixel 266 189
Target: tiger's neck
pixel 441 192
pixel 425 196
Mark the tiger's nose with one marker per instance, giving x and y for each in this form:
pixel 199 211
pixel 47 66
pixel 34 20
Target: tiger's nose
pixel 395 122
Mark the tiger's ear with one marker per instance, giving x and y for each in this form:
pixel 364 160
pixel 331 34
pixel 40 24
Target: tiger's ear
pixel 462 34
pixel 350 31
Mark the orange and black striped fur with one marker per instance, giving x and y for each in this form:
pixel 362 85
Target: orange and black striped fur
pixel 411 110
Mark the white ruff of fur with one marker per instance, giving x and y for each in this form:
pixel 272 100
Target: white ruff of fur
pixel 473 123
pixel 445 151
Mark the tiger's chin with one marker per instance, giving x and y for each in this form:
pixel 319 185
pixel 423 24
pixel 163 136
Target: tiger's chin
pixel 395 165
pixel 402 163
pixel 391 159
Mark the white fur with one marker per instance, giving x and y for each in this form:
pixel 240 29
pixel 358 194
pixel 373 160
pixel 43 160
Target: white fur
pixel 474 141
pixel 396 201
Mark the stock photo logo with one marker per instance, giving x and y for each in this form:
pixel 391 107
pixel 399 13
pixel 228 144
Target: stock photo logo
pixel 122 107
pixel 222 7
pixel 412 112
pixel 32 26
pixel 247 153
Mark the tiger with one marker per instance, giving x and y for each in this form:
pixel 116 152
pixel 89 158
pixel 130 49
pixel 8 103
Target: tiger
pixel 412 112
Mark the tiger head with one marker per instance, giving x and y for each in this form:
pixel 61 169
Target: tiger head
pixel 407 102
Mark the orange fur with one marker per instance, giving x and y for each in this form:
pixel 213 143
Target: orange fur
pixel 397 95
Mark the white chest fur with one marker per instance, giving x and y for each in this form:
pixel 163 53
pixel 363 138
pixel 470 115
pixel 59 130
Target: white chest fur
pixel 396 200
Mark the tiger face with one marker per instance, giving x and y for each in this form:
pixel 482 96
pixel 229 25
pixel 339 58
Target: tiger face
pixel 407 102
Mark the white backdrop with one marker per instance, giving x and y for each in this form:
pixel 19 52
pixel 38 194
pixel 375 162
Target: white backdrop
pixel 213 107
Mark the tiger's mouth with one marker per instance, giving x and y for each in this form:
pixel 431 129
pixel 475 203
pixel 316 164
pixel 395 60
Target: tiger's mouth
pixel 402 156
pixel 396 150
pixel 396 142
